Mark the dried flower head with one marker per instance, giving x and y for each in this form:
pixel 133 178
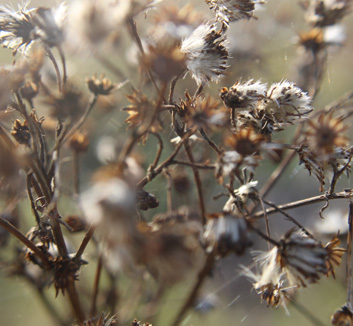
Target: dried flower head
pixel 165 60
pixel 232 10
pixel 245 141
pixel 100 86
pixel 65 271
pixel 243 95
pixel 225 233
pixel 343 316
pixel 326 134
pixel 334 255
pixel 20 132
pixel 206 53
pixel 103 320
pixel 285 104
pixel 201 112
pixel 66 105
pixel 140 111
pixel 302 258
pixel 17 29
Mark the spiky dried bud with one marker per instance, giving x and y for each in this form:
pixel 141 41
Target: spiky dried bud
pixel 20 132
pixel 225 233
pixel 206 51
pixel 232 10
pixel 65 271
pixel 100 86
pixel 140 111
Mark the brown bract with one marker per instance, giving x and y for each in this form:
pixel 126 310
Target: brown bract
pixel 327 133
pixel 245 141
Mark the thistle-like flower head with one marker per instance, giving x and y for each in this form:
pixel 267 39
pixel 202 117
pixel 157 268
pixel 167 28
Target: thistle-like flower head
pixel 232 10
pixel 206 51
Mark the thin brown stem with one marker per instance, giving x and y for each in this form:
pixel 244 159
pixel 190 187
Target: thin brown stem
pixel 85 242
pixel 56 67
pixel 159 151
pixel 153 173
pixel 210 141
pixel 293 220
pixel 97 277
pixel 197 182
pixel 29 244
pixel 63 62
pixel 304 202
pixel 75 303
pixel 169 191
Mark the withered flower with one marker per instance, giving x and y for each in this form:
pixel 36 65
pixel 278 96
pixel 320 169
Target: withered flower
pixel 165 60
pixel 305 259
pixel 79 142
pixel 17 29
pixel 20 132
pixel 326 134
pixel 245 141
pixel 225 233
pixel 334 255
pixel 206 51
pixel 66 105
pixel 343 316
pixel 100 86
pixel 243 95
pixel 232 10
pixel 65 271
pixel 140 111
pixel 201 112
pixel 285 104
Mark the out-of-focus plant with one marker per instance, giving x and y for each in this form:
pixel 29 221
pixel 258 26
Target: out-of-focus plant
pixel 174 51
